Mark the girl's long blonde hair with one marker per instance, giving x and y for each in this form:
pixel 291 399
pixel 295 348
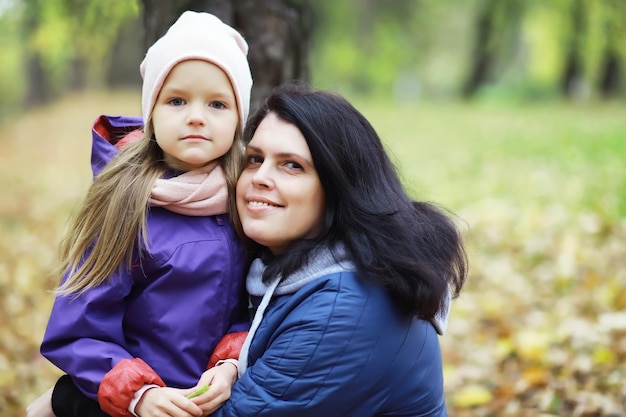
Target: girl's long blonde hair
pixel 110 224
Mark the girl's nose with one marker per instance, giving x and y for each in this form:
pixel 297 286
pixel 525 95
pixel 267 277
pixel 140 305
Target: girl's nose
pixel 196 114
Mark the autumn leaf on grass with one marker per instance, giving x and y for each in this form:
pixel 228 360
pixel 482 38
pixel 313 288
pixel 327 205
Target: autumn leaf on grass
pixel 536 376
pixel 533 345
pixel 472 396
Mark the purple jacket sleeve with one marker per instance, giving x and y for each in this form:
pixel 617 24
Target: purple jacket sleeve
pixel 85 337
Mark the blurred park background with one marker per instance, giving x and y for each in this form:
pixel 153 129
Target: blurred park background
pixel 510 113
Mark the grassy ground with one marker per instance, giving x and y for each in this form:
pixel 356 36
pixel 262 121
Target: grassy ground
pixel 539 192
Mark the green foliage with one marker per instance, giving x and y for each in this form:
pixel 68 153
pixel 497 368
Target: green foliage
pixel 53 40
pixel 71 32
pixel 614 27
pixel 423 48
pixel 405 49
pixel 374 40
pixel 544 33
pixel 62 34
pixel 97 23
pixel 550 28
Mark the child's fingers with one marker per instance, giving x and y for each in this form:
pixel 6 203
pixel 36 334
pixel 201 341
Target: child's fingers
pixel 198 392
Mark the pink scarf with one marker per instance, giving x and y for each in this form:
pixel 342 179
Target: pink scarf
pixel 201 192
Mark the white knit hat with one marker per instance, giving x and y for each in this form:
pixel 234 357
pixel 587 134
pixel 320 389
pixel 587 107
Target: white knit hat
pixel 197 36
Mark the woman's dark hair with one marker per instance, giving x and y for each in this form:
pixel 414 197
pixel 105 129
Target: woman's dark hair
pixel 411 248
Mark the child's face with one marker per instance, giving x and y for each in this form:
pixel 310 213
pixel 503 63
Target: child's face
pixel 195 116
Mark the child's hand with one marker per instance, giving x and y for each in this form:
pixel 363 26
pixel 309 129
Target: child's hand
pixel 42 406
pixel 171 401
pixel 220 380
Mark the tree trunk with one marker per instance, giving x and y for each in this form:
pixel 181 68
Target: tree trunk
pixel 38 90
pixel 611 79
pixel 278 33
pixel 38 86
pixel 572 79
pixel 77 74
pixel 126 55
pixel 158 15
pixel 482 60
pixel 496 45
pixel 612 70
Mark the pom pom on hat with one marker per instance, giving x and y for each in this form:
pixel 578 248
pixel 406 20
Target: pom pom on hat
pixel 197 35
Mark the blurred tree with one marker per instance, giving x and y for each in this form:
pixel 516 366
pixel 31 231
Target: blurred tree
pixel 12 57
pixel 38 84
pixel 375 47
pixel 277 31
pixel 614 54
pixel 127 51
pixel 158 15
pixel 484 49
pixel 496 26
pixel 572 78
pixel 406 49
pixel 68 41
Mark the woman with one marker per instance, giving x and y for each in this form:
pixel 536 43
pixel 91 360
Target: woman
pixel 350 278
pixel 349 274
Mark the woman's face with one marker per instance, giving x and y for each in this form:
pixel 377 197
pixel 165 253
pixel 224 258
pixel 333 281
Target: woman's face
pixel 280 199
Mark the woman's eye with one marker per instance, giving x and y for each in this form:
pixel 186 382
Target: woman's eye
pixel 293 165
pixel 254 159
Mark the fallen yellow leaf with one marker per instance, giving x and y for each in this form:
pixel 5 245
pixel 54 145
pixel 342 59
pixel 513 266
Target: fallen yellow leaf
pixel 536 376
pixel 471 396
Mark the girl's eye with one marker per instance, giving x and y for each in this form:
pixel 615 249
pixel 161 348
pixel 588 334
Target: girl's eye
pixel 218 105
pixel 177 102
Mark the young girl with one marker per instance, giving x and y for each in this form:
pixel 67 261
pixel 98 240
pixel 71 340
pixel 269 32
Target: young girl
pixel 152 268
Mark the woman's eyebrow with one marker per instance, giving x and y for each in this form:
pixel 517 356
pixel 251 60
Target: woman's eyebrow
pixel 253 148
pixel 282 155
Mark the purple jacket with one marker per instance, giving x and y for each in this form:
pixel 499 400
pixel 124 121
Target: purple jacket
pixel 171 310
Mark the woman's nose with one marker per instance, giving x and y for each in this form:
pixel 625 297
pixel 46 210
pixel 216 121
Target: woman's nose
pixel 262 176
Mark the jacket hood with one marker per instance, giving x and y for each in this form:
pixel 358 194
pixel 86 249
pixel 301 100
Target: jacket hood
pixel 109 134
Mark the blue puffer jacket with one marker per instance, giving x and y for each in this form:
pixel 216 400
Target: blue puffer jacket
pixel 171 310
pixel 339 347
